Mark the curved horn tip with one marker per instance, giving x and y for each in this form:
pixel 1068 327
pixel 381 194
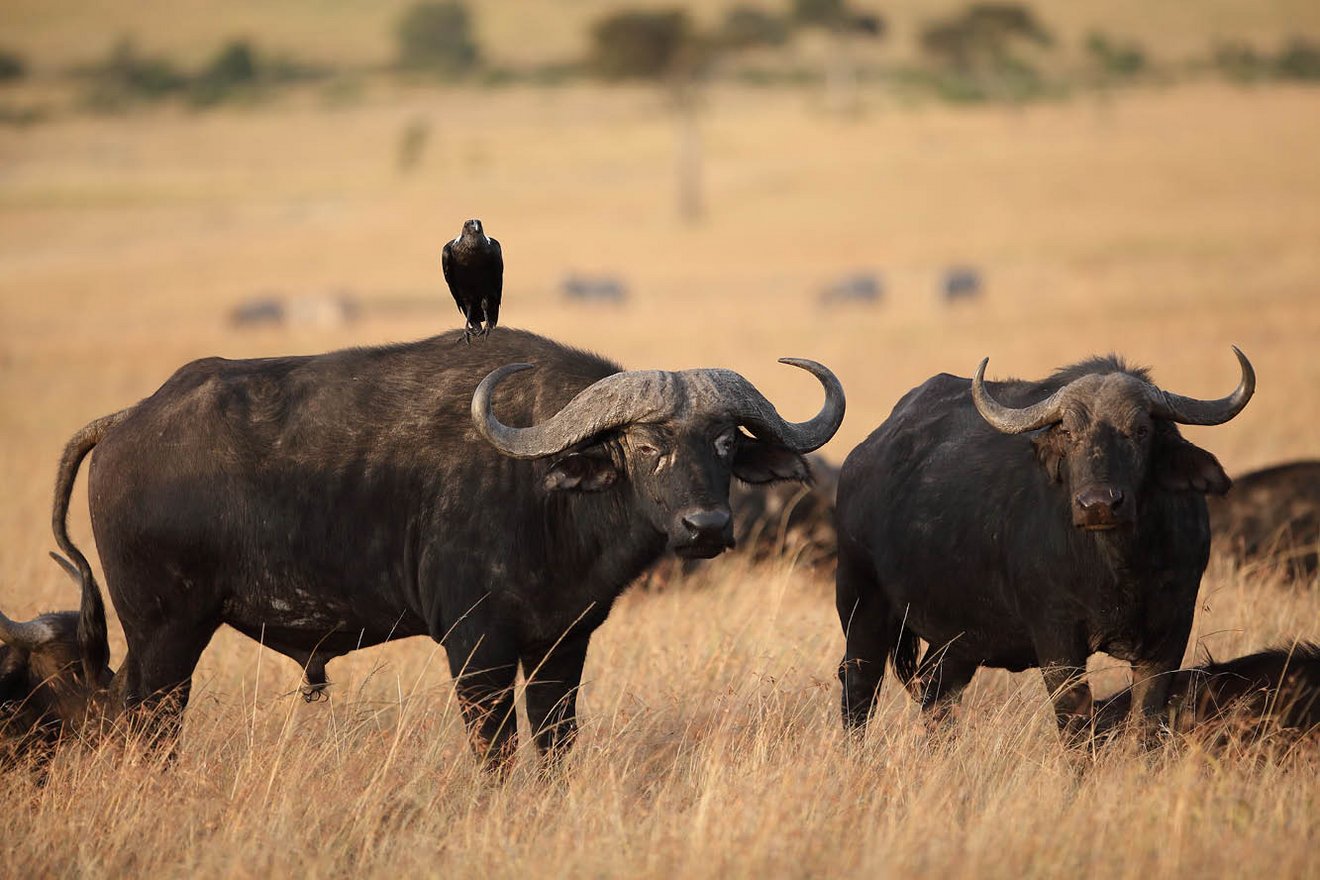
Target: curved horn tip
pixel 980 369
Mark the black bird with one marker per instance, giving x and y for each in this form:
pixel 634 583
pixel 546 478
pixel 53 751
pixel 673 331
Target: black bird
pixel 474 269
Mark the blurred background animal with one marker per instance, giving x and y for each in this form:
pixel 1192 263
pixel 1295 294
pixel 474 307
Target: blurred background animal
pixel 1271 516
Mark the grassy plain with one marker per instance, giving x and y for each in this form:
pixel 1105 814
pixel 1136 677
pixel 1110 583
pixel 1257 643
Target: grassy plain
pixel 1164 224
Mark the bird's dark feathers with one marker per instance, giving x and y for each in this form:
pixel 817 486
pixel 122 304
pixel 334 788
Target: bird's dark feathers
pixel 473 266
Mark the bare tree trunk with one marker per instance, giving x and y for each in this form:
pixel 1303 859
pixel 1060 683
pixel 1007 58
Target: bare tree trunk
pixel 691 205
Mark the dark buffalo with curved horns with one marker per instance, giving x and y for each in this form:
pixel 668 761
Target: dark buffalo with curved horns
pixel 50 681
pixel 326 503
pixel 1026 524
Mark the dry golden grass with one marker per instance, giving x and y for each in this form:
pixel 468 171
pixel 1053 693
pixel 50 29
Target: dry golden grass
pixel 1164 225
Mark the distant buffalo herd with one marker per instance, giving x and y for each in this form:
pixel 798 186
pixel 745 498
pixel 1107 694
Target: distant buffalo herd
pixel 498 497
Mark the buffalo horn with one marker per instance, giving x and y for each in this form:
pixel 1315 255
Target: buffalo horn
pixel 1191 411
pixel 1008 419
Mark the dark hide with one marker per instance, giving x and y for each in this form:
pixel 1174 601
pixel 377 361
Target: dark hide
pixel 44 690
pixel 971 539
pixel 1269 690
pixel 1272 516
pixel 322 504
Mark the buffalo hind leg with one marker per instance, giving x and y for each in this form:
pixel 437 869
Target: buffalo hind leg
pixel 869 638
pixel 553 678
pixel 157 677
pixel 484 676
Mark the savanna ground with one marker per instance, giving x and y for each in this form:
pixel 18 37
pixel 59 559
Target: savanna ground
pixel 1164 224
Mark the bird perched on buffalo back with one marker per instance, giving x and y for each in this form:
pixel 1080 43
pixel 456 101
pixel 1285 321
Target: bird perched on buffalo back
pixel 474 269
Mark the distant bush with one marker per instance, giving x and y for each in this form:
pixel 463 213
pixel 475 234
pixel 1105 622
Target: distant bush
pixel 975 53
pixel 1300 59
pixel 125 77
pixel 12 66
pixel 232 70
pixel 749 27
pixel 828 13
pixel 21 115
pixel 635 44
pixel 437 37
pixel 1241 62
pixel 239 71
pixel 983 36
pixel 1115 58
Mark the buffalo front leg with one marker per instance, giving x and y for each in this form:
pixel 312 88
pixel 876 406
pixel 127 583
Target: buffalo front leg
pixel 553 678
pixel 868 635
pixel 484 676
pixel 1062 659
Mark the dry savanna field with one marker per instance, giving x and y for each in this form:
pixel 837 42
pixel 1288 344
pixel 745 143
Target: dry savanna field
pixel 1161 223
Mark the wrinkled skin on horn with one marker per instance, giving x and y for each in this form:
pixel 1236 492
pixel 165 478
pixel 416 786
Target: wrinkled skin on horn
pixel 673 439
pixel 1107 434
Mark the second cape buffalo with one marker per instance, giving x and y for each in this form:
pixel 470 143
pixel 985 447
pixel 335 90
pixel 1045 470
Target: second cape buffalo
pixel 327 503
pixel 1022 524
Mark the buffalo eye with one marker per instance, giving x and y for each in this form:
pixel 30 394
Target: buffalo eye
pixel 647 449
pixel 1141 432
pixel 725 443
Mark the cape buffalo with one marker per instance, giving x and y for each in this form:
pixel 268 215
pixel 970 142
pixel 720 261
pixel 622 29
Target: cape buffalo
pixel 1017 524
pixel 1273 515
pixel 49 680
pixel 1278 688
pixel 327 503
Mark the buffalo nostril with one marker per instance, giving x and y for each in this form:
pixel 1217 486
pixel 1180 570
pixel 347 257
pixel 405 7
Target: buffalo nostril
pixel 707 521
pixel 1097 498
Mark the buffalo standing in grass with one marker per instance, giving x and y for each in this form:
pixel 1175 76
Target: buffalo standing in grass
pixel 1272 515
pixel 1018 524
pixel 327 503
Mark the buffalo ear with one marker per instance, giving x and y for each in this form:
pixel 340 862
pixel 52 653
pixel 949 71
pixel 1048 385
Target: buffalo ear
pixel 759 462
pixel 1049 452
pixel 1180 466
pixel 583 473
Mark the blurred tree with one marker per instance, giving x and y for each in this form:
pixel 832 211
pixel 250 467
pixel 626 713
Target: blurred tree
pixel 976 51
pixel 662 46
pixel 1115 58
pixel 1300 59
pixel 1240 62
pixel 983 36
pixel 125 76
pixel 750 27
pixel 437 37
pixel 826 13
pixel 635 44
pixel 11 65
pixel 234 70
